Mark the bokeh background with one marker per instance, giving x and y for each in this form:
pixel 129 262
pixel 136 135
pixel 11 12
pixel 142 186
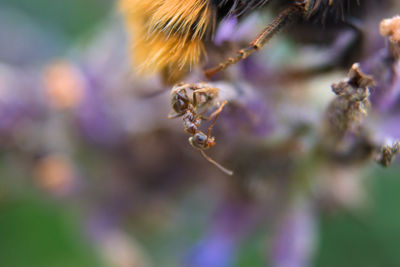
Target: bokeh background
pixel 97 176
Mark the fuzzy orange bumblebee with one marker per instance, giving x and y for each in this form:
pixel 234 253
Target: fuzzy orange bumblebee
pixel 168 34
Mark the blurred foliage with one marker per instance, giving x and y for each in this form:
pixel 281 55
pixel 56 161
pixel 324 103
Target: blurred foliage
pixel 370 238
pixel 72 17
pixel 49 236
pixel 33 231
pixel 38 234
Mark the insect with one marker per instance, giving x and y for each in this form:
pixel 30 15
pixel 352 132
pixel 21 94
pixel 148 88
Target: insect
pixel 192 108
pixel 169 36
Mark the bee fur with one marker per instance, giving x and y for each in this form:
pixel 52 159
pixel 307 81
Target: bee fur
pixel 168 35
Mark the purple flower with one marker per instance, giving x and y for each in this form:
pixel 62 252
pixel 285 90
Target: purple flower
pixel 218 247
pixel 225 30
pixel 16 106
pixel 293 244
pixel 94 116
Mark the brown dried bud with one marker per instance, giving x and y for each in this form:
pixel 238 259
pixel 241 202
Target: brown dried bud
pixel 388 153
pixel 391 29
pixel 349 107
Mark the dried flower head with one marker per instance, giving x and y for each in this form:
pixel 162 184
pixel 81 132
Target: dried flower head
pixel 350 106
pixel 388 153
pixel 391 29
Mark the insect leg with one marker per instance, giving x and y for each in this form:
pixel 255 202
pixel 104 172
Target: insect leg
pixel 215 116
pixel 275 26
pixel 212 91
pixel 173 116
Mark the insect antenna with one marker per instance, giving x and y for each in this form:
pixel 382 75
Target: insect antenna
pixel 219 166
